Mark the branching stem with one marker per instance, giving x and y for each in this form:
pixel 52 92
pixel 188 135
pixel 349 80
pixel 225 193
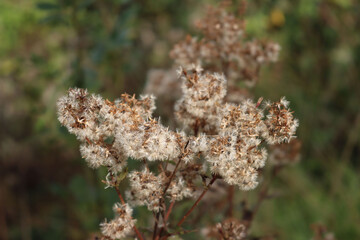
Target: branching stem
pixel 197 201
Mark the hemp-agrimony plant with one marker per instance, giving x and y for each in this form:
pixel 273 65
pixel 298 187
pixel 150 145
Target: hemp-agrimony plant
pixel 219 139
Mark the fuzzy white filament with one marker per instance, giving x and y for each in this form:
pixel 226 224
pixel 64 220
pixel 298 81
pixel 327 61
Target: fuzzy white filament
pixel 121 226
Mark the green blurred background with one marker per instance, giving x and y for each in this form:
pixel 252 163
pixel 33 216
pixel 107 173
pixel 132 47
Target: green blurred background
pixel 46 189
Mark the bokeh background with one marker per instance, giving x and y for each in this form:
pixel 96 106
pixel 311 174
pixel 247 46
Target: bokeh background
pixel 46 189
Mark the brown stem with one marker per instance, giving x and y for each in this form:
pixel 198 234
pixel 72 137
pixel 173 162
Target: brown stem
pixel 119 194
pixel 138 234
pixel 164 227
pixel 165 218
pixel 155 225
pixel 262 196
pixel 172 176
pixel 197 201
pixel 264 192
pixel 196 127
pixel 231 193
pixel 169 211
pixel 164 193
pixel 161 199
pixel 3 224
pixel 249 215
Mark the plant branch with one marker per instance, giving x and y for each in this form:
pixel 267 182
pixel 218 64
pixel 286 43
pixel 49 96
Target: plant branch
pixel 161 199
pixel 169 210
pixel 155 225
pixel 230 200
pixel 197 201
pixel 172 175
pixel 249 215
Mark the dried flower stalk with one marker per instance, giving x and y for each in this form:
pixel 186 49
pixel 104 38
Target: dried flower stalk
pixel 219 138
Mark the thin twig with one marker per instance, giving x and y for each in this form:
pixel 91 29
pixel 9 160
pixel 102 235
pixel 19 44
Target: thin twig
pixel 161 199
pixel 197 201
pixel 163 215
pixel 165 218
pixel 249 215
pixel 230 198
pixel 164 193
pixel 155 225
pixel 172 175
pixel 119 194
pixel 169 210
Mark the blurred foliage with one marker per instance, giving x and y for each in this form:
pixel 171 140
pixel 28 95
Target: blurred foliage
pixel 46 190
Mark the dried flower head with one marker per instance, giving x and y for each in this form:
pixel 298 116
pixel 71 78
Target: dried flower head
pixel 121 226
pixel 97 155
pixel 281 124
pixel 235 133
pixel 79 113
pixel 229 229
pixel 184 185
pixel 223 48
pixel 236 154
pixel 203 95
pixel 146 189
pixel 113 131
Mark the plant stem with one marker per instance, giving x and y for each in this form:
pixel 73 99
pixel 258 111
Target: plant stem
pixel 155 225
pixel 172 176
pixel 231 193
pixel 249 215
pixel 169 211
pixel 161 199
pixel 119 194
pixel 197 201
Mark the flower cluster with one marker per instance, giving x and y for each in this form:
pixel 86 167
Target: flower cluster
pixel 280 123
pixel 228 135
pixel 111 132
pixel 146 189
pixel 223 47
pixel 236 154
pixel 121 225
pixel 202 98
pixel 224 132
pixel 230 229
pixel 235 133
pixel 184 185
pixel 231 134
